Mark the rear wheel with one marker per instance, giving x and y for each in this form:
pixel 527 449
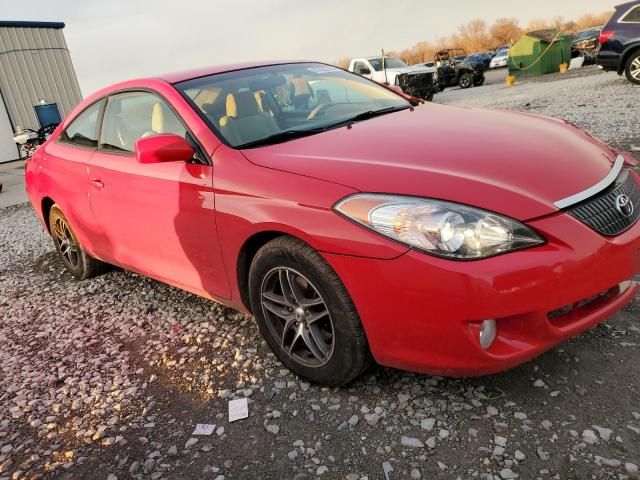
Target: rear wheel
pixel 305 313
pixel 466 80
pixel 78 262
pixel 632 70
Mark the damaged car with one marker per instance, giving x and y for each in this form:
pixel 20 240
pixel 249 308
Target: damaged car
pixel 416 81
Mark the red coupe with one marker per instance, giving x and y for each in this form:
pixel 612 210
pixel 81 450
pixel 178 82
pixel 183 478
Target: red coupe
pixel 354 225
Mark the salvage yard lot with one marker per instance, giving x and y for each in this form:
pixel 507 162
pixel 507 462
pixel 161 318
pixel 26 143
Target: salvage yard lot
pixel 107 378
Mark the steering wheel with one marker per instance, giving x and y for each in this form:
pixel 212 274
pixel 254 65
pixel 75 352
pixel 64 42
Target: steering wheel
pixel 319 109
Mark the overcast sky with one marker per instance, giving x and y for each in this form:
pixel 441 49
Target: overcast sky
pixel 112 40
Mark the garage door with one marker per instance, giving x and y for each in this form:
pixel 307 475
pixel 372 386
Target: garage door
pixel 8 149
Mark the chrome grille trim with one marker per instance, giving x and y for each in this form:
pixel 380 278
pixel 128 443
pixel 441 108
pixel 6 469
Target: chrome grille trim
pixel 600 212
pixel 597 188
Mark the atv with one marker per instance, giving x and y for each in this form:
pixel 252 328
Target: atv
pixel 455 70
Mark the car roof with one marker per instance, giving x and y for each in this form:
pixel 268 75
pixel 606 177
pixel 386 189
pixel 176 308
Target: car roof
pixel 177 77
pixel 628 4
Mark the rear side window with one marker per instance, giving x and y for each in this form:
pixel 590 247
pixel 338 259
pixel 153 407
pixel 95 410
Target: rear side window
pixel 83 130
pixel 633 16
pixel 133 115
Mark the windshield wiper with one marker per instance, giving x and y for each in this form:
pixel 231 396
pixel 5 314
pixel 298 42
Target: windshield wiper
pixel 287 135
pixel 369 114
pixel 281 137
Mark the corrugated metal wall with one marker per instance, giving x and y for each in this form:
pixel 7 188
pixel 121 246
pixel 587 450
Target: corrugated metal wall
pixel 35 63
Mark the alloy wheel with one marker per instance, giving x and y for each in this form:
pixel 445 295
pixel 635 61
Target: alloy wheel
pixel 66 243
pixel 635 68
pixel 298 316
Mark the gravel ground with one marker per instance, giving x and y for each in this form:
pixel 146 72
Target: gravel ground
pixel 107 378
pixel 604 103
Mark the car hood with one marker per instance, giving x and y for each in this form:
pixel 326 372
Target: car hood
pixel 415 69
pixel 511 163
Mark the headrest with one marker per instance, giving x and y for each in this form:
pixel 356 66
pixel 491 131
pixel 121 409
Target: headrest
pixel 242 104
pixel 163 120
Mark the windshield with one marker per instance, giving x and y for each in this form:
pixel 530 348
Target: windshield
pixel 277 102
pixel 389 62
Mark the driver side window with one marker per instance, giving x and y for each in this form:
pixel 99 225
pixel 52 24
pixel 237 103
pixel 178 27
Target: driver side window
pixel 361 68
pixel 133 115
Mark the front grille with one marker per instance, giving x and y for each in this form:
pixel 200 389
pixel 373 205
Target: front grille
pixel 418 80
pixel 600 212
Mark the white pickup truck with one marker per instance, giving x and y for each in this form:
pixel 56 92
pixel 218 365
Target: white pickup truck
pixel 417 81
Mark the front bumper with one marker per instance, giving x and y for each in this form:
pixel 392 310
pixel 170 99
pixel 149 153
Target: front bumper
pixel 423 313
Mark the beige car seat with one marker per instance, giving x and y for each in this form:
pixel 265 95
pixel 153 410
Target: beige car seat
pixel 244 122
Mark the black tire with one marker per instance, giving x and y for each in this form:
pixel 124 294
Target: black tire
pixel 80 264
pixel 349 354
pixel 465 80
pixel 632 68
pixel 478 81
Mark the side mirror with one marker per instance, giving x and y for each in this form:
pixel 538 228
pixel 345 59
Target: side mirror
pixel 166 147
pixel 365 71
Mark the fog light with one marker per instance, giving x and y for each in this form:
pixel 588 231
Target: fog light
pixel 488 331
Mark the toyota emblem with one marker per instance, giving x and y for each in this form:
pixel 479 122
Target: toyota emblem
pixel 624 205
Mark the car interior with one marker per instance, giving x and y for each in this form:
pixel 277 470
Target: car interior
pixel 247 109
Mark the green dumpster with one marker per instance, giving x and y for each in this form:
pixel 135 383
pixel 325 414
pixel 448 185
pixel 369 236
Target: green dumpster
pixel 539 52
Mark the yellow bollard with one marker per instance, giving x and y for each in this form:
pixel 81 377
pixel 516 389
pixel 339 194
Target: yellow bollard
pixel 563 68
pixel 511 80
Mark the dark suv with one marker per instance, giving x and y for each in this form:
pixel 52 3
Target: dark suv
pixel 620 42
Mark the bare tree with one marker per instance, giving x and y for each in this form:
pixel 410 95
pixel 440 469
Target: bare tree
pixel 473 36
pixel 505 31
pixel 477 36
pixel 538 24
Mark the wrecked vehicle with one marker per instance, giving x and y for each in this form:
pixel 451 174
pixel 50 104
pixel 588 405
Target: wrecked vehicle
pixel 586 44
pixel 455 69
pixel 416 81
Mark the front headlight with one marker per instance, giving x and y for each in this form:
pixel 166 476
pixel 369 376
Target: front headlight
pixel 437 227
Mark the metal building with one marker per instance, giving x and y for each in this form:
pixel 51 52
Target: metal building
pixel 37 79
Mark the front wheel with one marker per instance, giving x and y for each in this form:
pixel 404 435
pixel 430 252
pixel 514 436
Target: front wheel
pixel 466 80
pixel 305 313
pixel 78 262
pixel 632 69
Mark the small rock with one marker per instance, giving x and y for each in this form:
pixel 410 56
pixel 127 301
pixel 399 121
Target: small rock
pixel 589 436
pixel 372 418
pixel 609 462
pixel 632 470
pixel 272 428
pixel 293 454
pixel 520 415
pixel 542 454
pixel 173 451
pixel 501 441
pixel 427 424
pixel 605 433
pixel 148 465
pixel 519 456
pixel 508 474
pixel 190 443
pixel 411 442
pixel 538 384
pixel 322 470
pixel 415 473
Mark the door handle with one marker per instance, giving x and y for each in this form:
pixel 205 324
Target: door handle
pixel 97 183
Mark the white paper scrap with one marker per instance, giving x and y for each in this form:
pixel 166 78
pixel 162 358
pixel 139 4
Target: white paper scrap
pixel 238 409
pixel 204 429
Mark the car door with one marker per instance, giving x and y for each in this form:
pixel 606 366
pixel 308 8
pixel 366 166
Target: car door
pixel 157 219
pixel 63 170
